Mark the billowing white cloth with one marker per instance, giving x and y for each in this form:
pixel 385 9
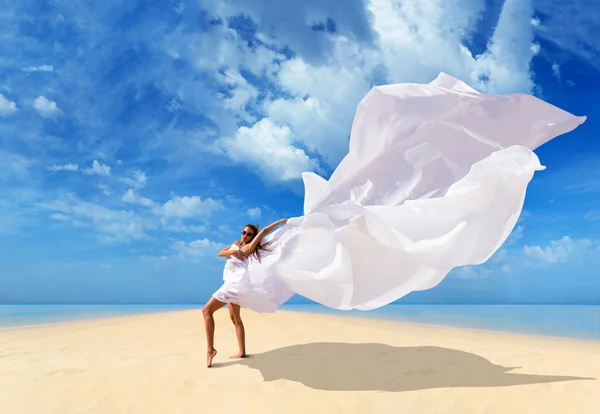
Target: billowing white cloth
pixel 435 178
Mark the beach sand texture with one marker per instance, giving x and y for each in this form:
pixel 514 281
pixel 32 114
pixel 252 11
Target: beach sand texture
pixel 299 363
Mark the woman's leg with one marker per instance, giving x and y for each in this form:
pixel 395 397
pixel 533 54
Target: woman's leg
pixel 209 322
pixel 236 318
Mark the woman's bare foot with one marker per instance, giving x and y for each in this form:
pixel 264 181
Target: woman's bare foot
pixel 239 355
pixel 209 357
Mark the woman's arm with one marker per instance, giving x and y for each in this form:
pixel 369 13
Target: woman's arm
pixel 250 247
pixel 226 252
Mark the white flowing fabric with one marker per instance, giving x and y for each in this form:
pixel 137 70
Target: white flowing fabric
pixel 435 178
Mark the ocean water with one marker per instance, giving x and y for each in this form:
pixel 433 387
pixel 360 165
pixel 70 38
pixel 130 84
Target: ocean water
pixel 18 316
pixel 559 321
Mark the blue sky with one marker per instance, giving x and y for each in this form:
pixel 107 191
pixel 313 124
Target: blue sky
pixel 137 138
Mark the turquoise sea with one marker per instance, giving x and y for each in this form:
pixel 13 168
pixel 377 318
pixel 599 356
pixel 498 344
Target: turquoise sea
pixel 19 316
pixel 562 321
pixel 558 321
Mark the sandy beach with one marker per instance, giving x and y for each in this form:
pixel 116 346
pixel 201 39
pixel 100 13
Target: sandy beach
pixel 298 363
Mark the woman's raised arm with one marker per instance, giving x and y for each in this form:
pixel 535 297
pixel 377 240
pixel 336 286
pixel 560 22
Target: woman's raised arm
pixel 250 247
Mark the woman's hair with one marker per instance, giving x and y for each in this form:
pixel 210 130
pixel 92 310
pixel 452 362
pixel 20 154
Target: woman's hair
pixel 261 246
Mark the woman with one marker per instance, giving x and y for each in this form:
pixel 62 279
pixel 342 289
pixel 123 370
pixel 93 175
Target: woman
pixel 237 284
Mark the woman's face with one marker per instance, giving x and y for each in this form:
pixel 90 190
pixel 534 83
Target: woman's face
pixel 247 234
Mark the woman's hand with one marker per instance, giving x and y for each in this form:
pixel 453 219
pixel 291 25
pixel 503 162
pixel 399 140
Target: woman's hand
pixel 238 255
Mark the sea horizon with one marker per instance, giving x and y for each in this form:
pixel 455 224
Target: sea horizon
pixel 295 303
pixel 568 321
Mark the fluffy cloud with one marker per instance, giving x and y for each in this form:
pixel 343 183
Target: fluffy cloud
pixel 556 70
pixel 327 77
pixel 268 148
pixel 105 189
pixel 138 181
pixel 178 227
pixel 561 250
pixel 188 89
pixel 189 207
pixel 196 248
pixel 97 169
pixel 289 76
pixel 132 197
pixel 323 101
pixel 126 225
pixel 46 107
pixel 302 26
pixel 254 213
pixel 65 167
pixel 239 95
pixel 498 264
pixel 7 107
pixel 111 224
pixel 42 68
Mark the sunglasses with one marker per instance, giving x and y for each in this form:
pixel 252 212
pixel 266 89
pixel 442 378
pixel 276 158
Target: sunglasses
pixel 247 233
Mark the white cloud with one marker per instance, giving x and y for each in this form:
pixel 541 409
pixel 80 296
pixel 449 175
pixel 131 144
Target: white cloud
pixel 269 149
pixel 42 68
pixel 314 94
pixel 65 167
pixel 291 24
pixel 196 249
pixel 309 123
pixel 178 227
pixel 242 93
pixel 254 213
pixel 279 115
pixel 572 26
pixel 105 189
pixel 556 70
pixel 113 225
pixel 559 251
pixel 98 169
pixel 46 107
pixel 498 264
pixel 132 197
pixel 189 207
pixel 124 226
pixel 322 93
pixel 410 31
pixel 324 100
pixel 7 107
pixel 138 181
pixel 506 63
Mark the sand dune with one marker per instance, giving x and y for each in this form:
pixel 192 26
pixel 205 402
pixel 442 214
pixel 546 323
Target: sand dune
pixel 299 363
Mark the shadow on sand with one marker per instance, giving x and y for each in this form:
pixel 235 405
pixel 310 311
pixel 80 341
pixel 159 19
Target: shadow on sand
pixel 365 367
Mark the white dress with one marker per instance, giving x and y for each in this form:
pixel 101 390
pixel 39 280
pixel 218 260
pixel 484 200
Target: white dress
pixel 260 294
pixel 435 178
